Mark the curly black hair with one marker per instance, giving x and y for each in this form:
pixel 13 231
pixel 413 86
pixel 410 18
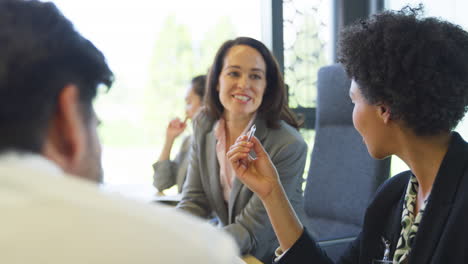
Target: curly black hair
pixel 417 66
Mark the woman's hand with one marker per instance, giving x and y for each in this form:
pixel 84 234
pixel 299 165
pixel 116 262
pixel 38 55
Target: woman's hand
pixel 261 177
pixel 175 128
pixel 258 174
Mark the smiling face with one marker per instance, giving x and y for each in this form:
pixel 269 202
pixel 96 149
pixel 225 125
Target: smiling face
pixel 242 82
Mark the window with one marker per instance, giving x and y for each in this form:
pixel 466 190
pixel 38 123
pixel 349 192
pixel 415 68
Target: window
pixel 154 50
pixel 307 47
pixel 307 38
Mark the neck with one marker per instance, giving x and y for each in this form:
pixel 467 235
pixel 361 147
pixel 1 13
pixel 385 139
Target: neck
pixel 235 126
pixel 424 156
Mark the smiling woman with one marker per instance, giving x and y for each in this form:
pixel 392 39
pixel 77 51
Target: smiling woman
pixel 244 89
pixel 242 83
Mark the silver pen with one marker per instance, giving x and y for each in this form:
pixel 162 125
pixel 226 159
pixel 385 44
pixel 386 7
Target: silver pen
pixel 251 132
pixel 249 136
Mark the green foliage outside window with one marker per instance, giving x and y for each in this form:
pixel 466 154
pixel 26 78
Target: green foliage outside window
pixel 142 113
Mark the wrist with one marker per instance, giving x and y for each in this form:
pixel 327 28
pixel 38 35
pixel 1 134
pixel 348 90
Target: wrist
pixel 169 140
pixel 277 193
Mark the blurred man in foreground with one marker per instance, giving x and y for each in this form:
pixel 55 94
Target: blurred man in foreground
pixel 49 75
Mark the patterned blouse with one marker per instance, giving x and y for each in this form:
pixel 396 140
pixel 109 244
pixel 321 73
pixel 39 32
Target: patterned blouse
pixel 409 223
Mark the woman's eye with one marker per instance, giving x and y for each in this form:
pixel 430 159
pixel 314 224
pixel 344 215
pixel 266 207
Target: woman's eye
pixel 255 77
pixel 233 74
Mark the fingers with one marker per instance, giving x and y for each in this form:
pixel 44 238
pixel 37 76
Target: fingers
pixel 175 120
pixel 248 145
pixel 238 154
pixel 238 157
pixel 238 151
pixel 241 138
pixel 177 123
pixel 241 143
pixel 257 147
pixel 254 142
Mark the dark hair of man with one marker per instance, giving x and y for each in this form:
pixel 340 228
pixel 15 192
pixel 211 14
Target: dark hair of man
pixel 274 106
pixel 198 85
pixel 417 66
pixel 40 54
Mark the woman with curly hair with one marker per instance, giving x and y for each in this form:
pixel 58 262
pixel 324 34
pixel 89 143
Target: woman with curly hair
pixel 410 90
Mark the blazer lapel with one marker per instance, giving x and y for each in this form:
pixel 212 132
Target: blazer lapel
pixel 236 187
pixel 262 129
pixel 386 222
pixel 440 201
pixel 213 176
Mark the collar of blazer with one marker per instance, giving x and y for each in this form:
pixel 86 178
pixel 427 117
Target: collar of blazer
pixel 445 189
pixel 262 130
pixel 443 194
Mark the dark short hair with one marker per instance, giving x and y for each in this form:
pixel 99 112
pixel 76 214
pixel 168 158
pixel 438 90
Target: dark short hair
pixel 274 104
pixel 198 85
pixel 41 53
pixel 417 66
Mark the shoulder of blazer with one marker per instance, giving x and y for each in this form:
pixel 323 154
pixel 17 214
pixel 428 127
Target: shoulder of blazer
pixel 393 188
pixel 391 191
pixel 202 124
pixel 285 134
pixel 281 141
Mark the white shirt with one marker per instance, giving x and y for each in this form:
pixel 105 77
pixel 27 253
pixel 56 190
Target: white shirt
pixel 49 217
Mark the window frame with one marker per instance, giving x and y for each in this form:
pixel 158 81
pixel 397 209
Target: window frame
pixel 344 13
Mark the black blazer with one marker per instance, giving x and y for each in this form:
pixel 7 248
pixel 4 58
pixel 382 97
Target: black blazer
pixel 443 232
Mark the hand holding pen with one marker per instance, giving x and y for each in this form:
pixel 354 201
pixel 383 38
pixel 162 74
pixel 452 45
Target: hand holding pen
pixel 251 132
pixel 258 174
pixel 249 137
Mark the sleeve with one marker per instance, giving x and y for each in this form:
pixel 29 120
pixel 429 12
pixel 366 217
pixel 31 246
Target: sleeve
pixel 194 199
pixel 166 171
pixel 306 250
pixel 164 174
pixel 351 255
pixel 252 228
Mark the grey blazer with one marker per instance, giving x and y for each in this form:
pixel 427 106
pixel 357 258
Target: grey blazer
pixel 244 217
pixel 170 172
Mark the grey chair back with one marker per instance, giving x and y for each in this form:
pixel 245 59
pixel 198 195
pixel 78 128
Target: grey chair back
pixel 342 176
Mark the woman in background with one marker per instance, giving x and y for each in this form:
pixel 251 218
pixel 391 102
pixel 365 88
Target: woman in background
pixel 244 88
pixel 170 172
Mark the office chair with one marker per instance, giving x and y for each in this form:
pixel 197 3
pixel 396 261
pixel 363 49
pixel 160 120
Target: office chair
pixel 342 176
